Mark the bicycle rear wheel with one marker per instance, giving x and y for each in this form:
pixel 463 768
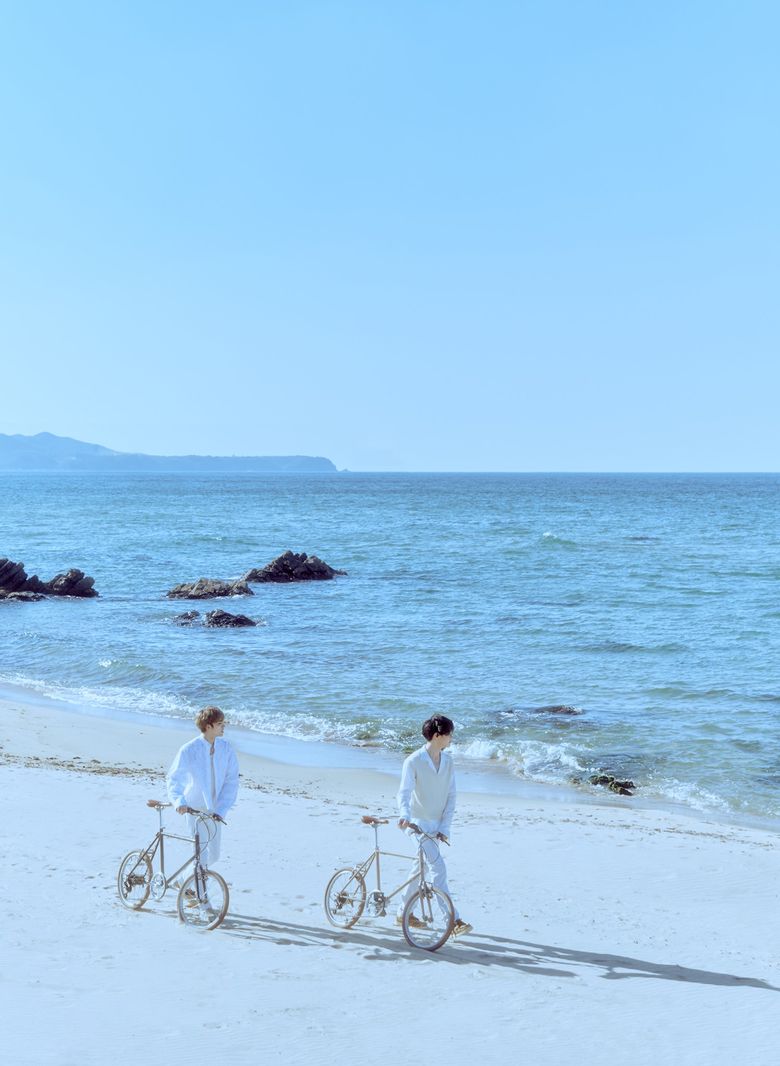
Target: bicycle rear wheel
pixel 428 918
pixel 203 900
pixel 345 898
pixel 134 879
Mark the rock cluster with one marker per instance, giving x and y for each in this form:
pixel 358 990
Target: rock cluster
pixel 209 588
pixel 614 784
pixel 214 619
pixel 557 708
pixel 16 585
pixel 293 566
pixel 223 620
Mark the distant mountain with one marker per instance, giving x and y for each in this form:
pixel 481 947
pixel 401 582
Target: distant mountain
pixel 44 451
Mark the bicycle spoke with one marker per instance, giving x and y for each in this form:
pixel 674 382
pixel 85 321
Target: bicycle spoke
pixel 134 879
pixel 203 900
pixel 345 898
pixel 428 918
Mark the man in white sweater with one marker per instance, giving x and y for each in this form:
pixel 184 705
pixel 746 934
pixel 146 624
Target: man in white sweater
pixel 204 776
pixel 426 799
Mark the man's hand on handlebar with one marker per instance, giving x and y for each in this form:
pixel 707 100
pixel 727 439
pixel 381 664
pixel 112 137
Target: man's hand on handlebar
pixel 404 823
pixel 208 814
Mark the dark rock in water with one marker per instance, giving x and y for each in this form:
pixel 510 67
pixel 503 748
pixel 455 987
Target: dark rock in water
pixel 213 619
pixel 223 620
pixel 22 597
pixel 71 583
pixel 614 784
pixel 13 579
pixel 209 588
pixel 557 708
pixel 294 567
pixel 12 576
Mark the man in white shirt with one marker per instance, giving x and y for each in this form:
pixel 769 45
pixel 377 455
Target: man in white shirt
pixel 204 775
pixel 426 799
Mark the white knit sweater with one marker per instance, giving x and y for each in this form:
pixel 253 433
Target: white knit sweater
pixel 427 795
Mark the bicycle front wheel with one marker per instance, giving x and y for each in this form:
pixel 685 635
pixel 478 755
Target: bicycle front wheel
pixel 203 900
pixel 134 879
pixel 428 918
pixel 345 898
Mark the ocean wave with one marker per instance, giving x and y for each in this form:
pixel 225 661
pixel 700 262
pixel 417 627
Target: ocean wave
pixel 683 692
pixel 687 794
pixel 550 763
pixel 165 704
pixel 480 749
pixel 361 732
pixel 619 647
pixel 553 764
pixel 558 759
pixel 555 712
pixel 553 540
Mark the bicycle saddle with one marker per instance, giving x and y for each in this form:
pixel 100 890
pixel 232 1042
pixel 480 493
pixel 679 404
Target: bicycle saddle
pixel 369 819
pixel 157 804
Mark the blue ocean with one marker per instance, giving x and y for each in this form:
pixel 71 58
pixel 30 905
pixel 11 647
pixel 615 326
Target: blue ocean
pixel 646 605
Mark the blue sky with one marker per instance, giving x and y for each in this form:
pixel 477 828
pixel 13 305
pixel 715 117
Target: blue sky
pixel 408 236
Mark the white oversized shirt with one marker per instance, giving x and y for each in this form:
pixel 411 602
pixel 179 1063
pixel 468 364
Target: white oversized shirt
pixel 204 777
pixel 427 795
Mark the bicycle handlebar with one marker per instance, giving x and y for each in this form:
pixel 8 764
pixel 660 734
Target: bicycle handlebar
pixel 372 820
pixel 158 805
pixel 205 814
pixel 431 836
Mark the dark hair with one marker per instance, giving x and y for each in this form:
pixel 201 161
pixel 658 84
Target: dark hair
pixel 437 726
pixel 208 716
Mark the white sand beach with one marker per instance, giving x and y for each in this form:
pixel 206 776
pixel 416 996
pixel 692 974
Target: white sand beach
pixel 601 931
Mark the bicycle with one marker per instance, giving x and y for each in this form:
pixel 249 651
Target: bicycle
pixel 428 916
pixel 203 896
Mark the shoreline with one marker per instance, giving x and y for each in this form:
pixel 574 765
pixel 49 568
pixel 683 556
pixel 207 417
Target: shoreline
pixel 591 921
pixel 286 758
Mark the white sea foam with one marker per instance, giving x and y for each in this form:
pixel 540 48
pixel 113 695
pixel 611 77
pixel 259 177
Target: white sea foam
pixel 688 794
pixel 479 749
pixel 464 626
pixel 165 704
pixel 551 763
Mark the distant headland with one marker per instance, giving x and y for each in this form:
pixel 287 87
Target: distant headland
pixel 45 451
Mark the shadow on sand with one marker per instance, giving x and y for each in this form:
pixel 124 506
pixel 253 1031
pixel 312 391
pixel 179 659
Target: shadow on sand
pixel 378 944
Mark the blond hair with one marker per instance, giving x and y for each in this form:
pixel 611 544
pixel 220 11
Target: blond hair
pixel 208 716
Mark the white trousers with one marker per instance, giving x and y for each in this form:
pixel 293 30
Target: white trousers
pixel 436 869
pixel 210 836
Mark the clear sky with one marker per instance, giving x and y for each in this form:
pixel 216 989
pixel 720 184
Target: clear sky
pixel 423 235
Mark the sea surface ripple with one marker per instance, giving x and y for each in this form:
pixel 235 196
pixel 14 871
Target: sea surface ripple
pixel 647 603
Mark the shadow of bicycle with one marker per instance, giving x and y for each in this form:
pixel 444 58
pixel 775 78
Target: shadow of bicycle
pixel 376 943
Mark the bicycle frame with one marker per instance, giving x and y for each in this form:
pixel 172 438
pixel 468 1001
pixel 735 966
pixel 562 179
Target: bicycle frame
pixel 363 869
pixel 158 843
